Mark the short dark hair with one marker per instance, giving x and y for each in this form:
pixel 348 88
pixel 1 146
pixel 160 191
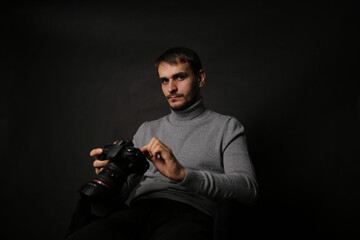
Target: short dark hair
pixel 177 55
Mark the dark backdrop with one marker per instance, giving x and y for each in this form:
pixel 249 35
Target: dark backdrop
pixel 76 76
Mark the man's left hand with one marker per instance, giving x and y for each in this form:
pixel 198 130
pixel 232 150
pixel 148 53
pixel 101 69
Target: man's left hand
pixel 164 160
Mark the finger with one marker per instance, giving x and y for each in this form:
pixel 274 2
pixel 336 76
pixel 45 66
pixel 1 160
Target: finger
pixel 145 151
pixel 151 143
pixel 144 148
pixel 100 164
pixel 96 152
pixel 98 170
pixel 152 150
pixel 155 149
pixel 158 152
pixel 150 146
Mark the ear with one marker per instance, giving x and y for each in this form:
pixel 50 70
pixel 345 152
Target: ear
pixel 201 78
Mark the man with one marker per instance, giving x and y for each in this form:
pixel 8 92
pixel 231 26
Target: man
pixel 198 157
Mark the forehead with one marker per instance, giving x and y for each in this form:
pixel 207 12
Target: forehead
pixel 166 70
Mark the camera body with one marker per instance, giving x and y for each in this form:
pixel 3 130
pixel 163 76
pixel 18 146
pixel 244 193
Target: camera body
pixel 125 159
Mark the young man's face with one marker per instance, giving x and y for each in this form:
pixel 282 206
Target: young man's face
pixel 180 85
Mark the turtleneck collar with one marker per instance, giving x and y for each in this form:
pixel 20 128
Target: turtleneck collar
pixel 191 112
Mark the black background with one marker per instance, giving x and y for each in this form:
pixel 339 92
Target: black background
pixel 79 75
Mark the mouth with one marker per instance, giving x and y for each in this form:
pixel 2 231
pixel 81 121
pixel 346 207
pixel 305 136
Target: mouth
pixel 173 97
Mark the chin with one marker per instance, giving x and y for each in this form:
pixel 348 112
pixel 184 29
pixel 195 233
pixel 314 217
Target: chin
pixel 177 108
pixel 180 106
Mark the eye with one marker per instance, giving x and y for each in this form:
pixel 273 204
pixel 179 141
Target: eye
pixel 180 77
pixel 164 80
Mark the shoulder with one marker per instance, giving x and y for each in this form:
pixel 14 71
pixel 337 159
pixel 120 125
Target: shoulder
pixel 227 121
pixel 230 130
pixel 154 123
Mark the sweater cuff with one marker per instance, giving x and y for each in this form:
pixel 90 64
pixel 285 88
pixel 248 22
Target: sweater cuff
pixel 193 180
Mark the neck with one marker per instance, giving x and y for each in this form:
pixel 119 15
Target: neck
pixel 189 113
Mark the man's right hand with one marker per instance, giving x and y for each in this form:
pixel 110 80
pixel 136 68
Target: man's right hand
pixel 98 164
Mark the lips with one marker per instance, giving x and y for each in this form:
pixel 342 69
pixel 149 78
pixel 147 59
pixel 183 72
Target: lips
pixel 174 97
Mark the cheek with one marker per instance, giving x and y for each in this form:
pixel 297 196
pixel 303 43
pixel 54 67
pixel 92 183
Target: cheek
pixel 191 90
pixel 185 88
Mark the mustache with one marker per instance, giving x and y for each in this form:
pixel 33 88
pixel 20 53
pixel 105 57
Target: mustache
pixel 174 95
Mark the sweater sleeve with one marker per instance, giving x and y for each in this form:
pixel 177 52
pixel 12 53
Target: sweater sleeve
pixel 238 180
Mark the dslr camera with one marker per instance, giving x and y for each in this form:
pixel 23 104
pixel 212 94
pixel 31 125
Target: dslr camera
pixel 125 160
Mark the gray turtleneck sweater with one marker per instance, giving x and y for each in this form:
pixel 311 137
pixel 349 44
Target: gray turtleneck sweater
pixel 212 148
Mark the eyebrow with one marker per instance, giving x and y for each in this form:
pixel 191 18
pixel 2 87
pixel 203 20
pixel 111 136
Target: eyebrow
pixel 175 75
pixel 184 74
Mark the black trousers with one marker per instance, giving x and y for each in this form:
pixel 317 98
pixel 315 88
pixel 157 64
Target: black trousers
pixel 148 219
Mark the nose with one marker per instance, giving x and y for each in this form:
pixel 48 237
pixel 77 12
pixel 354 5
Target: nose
pixel 172 86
